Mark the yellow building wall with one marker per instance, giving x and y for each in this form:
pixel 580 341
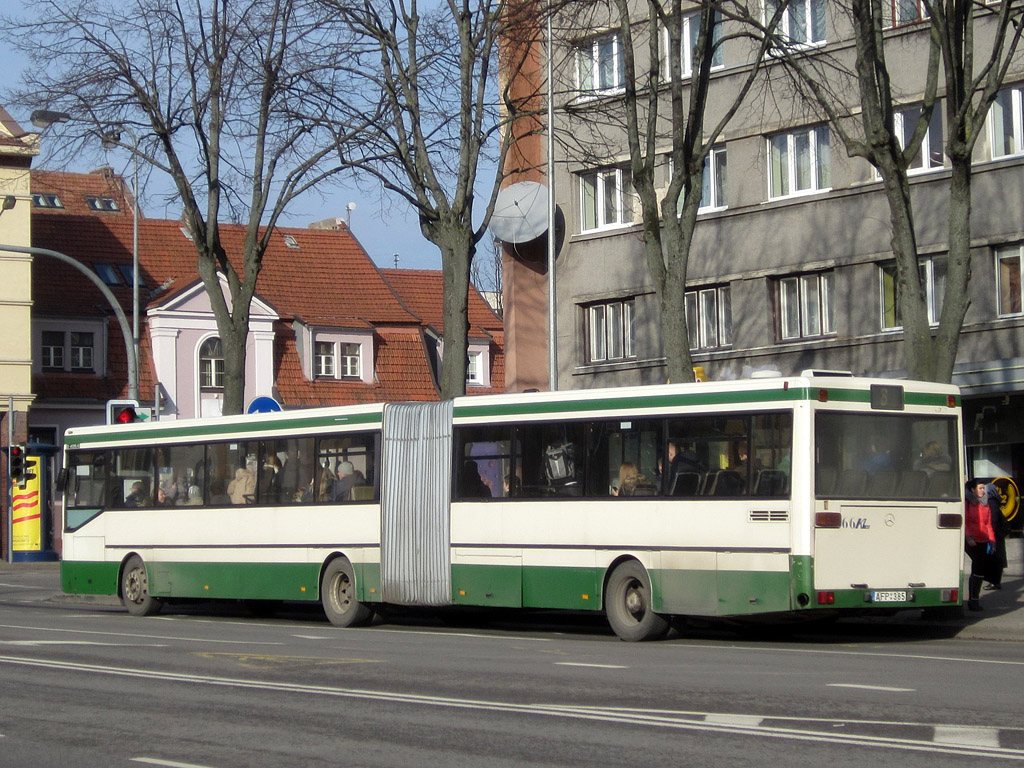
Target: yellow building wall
pixel 16 271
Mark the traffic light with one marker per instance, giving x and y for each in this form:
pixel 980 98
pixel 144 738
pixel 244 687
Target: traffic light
pixel 123 412
pixel 16 462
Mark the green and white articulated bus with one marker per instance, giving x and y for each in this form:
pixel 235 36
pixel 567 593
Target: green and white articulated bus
pixel 782 498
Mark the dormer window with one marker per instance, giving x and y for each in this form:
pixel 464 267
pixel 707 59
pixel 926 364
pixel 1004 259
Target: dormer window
pixel 108 204
pixel 478 364
pixel 290 241
pixel 46 200
pixel 342 355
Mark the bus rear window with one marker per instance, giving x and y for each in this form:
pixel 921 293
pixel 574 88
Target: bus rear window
pixel 874 456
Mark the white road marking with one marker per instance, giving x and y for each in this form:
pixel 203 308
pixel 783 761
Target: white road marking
pixel 137 636
pixel 312 637
pixel 746 649
pixel 34 643
pixel 167 763
pixel 871 687
pixel 749 721
pixel 683 721
pixel 972 735
pixel 20 586
pixel 595 666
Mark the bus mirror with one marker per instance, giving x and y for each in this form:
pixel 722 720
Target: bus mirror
pixel 62 480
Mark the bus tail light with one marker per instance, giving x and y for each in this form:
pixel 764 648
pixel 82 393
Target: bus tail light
pixel 826 598
pixel 950 595
pixel 951 401
pixel 827 520
pixel 950 520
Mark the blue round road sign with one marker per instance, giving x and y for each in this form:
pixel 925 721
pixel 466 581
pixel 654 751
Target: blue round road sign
pixel 263 405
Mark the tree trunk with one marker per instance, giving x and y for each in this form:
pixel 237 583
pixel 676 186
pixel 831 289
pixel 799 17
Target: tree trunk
pixel 457 249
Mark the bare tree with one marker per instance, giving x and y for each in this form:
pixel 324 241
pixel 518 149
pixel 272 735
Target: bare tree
pixel 230 98
pixel 443 128
pixel 965 70
pixel 669 49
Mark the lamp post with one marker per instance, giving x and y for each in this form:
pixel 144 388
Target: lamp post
pixel 44 118
pixel 112 139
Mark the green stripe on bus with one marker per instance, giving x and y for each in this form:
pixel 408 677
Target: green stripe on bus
pixel 635 402
pixel 238 430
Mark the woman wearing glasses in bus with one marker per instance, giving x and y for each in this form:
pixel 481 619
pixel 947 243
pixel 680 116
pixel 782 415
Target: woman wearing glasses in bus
pixel 980 539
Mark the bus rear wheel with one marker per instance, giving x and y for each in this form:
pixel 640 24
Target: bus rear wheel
pixel 628 605
pixel 135 589
pixel 338 596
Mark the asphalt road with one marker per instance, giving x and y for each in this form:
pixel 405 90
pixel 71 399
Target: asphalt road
pixel 87 685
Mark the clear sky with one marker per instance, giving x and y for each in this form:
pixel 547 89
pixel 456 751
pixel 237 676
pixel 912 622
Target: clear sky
pixel 383 228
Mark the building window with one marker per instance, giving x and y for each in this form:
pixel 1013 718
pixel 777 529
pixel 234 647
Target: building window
pixel 899 12
pixel 81 351
pixel 350 368
pixel 688 44
pixel 211 366
pixel 324 356
pixel 608 331
pixel 606 199
pixel 1008 272
pixel 108 274
pixel 805 306
pixel 712 191
pixel 53 351
pixel 709 317
pixel 800 162
pixel 102 203
pixel 44 200
pixel 930 156
pixel 802 21
pixel 473 368
pixel 933 280
pixel 1005 119
pixel 599 65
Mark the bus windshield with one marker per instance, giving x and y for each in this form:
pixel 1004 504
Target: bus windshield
pixel 890 456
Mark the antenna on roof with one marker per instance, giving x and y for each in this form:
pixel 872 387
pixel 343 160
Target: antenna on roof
pixel 348 215
pixel 396 260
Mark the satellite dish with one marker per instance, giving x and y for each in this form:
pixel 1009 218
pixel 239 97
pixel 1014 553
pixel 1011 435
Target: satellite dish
pixel 520 212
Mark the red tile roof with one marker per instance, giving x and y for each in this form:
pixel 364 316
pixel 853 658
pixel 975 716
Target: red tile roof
pixel 327 281
pixel 73 188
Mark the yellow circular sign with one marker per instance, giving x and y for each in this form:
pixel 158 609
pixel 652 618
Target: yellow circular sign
pixel 1009 497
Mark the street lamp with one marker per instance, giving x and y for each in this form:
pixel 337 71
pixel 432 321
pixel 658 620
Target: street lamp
pixel 111 139
pixel 43 119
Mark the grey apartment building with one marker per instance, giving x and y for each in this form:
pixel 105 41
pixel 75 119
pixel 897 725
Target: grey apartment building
pixel 791 266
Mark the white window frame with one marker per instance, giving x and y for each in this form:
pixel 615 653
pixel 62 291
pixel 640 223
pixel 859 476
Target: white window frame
pixel 897 13
pixel 350 356
pixel 806 305
pixel 688 45
pixel 589 58
pixel 607 214
pixel 712 193
pixel 52 355
pixel 478 363
pixel 709 317
pixel 82 356
pixel 999 123
pixel 324 355
pixel 904 121
pixel 814 144
pixel 609 328
pixel 1009 296
pixel 933 278
pixel 210 371
pixel 797 22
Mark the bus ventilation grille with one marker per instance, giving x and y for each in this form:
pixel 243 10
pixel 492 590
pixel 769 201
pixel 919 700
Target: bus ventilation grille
pixel 769 516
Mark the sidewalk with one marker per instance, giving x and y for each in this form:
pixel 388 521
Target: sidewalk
pixel 1001 619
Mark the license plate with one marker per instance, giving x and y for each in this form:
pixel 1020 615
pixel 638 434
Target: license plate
pixel 895 596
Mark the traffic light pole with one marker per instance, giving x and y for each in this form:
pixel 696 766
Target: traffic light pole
pixel 126 330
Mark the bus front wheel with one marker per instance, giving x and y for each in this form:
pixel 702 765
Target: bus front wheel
pixel 338 595
pixel 135 589
pixel 628 605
